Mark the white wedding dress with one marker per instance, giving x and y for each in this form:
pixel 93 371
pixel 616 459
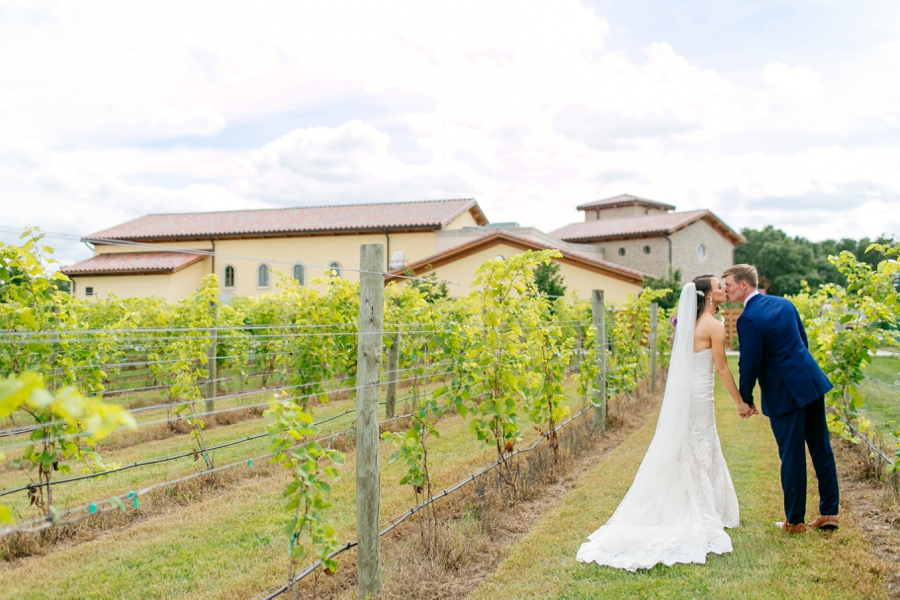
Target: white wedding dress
pixel 682 497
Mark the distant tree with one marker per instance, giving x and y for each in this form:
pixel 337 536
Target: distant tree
pixel 548 279
pixel 671 282
pixel 784 262
pixel 63 285
pixel 433 288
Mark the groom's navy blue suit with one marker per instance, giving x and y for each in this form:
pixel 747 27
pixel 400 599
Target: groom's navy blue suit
pixel 774 351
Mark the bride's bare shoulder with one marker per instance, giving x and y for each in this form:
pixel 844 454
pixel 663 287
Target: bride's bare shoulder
pixel 707 320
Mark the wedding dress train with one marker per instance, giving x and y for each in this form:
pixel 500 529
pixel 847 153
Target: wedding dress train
pixel 682 498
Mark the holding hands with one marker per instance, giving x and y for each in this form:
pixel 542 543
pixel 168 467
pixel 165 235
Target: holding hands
pixel 745 410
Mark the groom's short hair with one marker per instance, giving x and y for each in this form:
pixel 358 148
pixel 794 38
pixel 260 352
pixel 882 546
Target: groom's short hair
pixel 743 273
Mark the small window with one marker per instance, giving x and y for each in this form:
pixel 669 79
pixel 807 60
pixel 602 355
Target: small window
pixel 499 257
pixel 336 267
pixel 300 274
pixel 701 252
pixel 646 249
pixel 621 251
pixel 89 291
pixel 262 276
pixel 229 277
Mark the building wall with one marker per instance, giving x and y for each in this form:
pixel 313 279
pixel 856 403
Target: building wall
pixel 621 212
pixel 719 251
pixel 464 220
pixel 315 253
pixel 246 255
pixel 577 279
pixel 172 287
pixel 656 263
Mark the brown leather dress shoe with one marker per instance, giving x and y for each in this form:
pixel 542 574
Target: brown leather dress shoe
pixel 788 528
pixel 825 522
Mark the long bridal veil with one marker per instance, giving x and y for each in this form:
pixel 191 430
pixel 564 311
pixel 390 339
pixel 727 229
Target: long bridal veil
pixel 662 519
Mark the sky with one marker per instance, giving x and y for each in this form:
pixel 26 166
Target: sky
pixel 765 112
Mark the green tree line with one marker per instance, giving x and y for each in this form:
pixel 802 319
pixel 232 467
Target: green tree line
pixel 784 262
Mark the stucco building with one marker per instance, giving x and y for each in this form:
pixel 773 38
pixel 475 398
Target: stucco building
pixel 648 236
pixel 167 255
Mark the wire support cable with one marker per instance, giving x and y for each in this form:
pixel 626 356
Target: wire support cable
pixel 11 432
pixel 238 331
pixel 215 412
pixel 174 457
pixel 868 442
pixel 105 504
pixel 884 383
pixel 393 523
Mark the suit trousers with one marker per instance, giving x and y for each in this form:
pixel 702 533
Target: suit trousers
pixel 794 432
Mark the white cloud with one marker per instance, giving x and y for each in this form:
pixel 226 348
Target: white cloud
pixel 798 84
pixel 110 111
pixel 204 120
pixel 351 162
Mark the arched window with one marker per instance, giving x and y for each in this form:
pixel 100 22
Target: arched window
pixel 262 276
pixel 701 252
pixel 336 267
pixel 621 251
pixel 646 249
pixel 499 257
pixel 229 277
pixel 300 274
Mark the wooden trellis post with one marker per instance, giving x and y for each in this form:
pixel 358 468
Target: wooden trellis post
pixel 393 376
pixel 599 320
pixel 368 375
pixel 654 328
pixel 211 370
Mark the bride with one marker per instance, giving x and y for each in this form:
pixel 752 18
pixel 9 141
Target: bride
pixel 682 498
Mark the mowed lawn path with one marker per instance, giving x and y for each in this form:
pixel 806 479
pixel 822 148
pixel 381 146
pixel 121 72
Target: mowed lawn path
pixel 766 563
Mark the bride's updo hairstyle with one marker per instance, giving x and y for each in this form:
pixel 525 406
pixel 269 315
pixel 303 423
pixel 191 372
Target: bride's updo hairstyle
pixel 704 286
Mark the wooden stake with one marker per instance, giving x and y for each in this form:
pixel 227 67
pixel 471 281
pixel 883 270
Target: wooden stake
pixel 599 320
pixel 368 374
pixel 211 375
pixel 654 328
pixel 392 373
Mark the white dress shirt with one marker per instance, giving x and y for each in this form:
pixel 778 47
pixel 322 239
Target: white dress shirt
pixel 750 295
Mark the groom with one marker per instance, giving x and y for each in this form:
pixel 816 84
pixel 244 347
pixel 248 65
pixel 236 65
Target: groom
pixel 774 351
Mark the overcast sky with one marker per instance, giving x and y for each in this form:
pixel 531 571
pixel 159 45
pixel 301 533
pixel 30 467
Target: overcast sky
pixel 766 112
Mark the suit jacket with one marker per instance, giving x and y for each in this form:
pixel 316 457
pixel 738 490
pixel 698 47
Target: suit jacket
pixel 775 352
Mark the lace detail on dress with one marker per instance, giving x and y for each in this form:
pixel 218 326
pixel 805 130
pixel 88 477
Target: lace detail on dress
pixel 674 512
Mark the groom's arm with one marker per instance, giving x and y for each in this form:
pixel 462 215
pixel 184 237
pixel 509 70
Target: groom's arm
pixel 750 361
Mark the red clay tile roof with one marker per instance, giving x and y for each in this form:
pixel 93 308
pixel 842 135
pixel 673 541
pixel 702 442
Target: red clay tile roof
pixel 126 263
pixel 462 250
pixel 648 226
pixel 623 200
pixel 312 220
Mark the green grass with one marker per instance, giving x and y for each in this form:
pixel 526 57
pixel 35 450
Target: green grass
pixel 882 396
pixel 766 563
pixel 228 545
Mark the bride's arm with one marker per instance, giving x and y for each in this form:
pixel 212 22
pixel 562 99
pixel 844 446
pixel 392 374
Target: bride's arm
pixel 717 337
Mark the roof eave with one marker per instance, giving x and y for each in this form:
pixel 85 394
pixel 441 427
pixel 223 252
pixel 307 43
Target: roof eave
pixel 716 223
pixel 265 234
pixel 616 237
pixel 107 272
pixel 596 205
pixel 463 250
pixel 148 271
pixel 472 208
